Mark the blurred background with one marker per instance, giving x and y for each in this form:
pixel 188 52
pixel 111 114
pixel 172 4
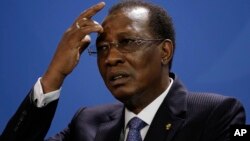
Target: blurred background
pixel 212 55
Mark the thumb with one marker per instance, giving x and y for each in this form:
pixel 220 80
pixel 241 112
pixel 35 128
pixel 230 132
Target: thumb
pixel 85 43
pixel 86 39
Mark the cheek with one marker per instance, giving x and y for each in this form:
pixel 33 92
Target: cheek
pixel 145 65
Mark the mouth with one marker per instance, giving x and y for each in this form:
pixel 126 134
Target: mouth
pixel 118 78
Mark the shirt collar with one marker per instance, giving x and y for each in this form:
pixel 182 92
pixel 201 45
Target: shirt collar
pixel 148 113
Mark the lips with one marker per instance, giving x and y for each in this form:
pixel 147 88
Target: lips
pixel 118 78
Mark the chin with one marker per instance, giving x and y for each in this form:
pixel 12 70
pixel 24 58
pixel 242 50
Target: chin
pixel 122 94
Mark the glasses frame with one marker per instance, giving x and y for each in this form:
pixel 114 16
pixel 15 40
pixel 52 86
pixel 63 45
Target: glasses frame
pixel 137 41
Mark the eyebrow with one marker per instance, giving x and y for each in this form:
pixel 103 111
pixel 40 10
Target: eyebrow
pixel 102 37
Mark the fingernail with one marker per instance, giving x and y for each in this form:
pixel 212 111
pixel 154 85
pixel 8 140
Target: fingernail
pixel 102 3
pixel 87 38
pixel 96 22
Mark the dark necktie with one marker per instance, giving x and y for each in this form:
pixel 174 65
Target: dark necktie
pixel 135 125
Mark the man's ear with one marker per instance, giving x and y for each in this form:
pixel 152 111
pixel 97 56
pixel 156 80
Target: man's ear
pixel 167 51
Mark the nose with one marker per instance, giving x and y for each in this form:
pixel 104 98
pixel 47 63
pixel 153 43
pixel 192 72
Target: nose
pixel 114 57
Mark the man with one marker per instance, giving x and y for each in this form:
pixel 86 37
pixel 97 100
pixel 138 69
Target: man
pixel 134 49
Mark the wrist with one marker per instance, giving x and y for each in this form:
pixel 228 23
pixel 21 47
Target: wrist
pixel 52 81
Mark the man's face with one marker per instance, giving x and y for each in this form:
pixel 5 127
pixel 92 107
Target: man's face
pixel 134 76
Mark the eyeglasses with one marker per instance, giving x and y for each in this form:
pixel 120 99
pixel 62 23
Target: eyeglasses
pixel 123 46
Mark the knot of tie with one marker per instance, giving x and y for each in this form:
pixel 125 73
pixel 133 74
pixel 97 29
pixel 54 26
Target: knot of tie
pixel 135 125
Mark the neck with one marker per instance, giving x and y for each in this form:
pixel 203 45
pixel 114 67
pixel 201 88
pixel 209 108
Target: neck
pixel 141 100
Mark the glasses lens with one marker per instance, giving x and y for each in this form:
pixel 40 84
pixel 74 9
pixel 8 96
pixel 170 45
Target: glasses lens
pixel 123 46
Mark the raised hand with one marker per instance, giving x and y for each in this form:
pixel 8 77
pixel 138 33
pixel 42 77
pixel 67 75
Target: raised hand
pixel 74 41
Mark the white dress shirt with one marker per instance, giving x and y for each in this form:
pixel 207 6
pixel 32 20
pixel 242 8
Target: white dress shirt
pixel 42 99
pixel 147 114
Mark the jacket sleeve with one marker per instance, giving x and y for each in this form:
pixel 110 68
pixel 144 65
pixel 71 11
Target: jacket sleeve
pixel 29 123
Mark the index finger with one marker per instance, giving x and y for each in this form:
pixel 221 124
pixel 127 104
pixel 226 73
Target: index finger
pixel 90 12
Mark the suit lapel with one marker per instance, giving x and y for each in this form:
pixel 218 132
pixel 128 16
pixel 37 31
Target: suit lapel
pixel 170 116
pixel 111 129
pixel 163 128
pixel 168 119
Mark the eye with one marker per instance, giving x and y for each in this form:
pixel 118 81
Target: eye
pixel 139 42
pixel 126 42
pixel 101 48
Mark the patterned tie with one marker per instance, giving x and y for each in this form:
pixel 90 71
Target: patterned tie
pixel 135 125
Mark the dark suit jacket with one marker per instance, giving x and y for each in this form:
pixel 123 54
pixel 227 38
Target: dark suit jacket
pixel 183 116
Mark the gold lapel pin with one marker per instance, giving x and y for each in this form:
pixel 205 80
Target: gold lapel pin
pixel 168 126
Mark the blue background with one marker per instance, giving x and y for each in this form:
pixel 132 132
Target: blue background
pixel 213 50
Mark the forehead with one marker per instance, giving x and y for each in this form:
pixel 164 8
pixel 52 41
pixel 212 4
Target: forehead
pixel 127 20
pixel 136 13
